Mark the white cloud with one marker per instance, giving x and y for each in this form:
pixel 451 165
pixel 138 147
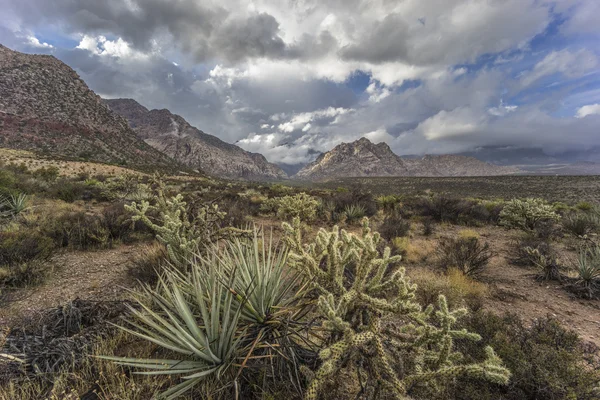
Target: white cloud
pixel 35 42
pixel 446 124
pixel 101 46
pixel 590 109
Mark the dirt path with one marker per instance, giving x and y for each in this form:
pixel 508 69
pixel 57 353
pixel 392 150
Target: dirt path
pixel 97 275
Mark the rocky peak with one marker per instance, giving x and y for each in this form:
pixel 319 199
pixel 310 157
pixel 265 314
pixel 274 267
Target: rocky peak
pixel 364 158
pixel 359 158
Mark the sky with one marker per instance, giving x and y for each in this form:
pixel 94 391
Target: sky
pixel 291 78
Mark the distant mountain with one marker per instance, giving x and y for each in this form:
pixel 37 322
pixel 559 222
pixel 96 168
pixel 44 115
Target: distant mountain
pixel 174 136
pixel 362 158
pixel 45 107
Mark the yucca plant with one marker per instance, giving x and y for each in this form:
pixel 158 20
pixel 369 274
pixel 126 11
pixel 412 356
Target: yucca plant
pixel 13 205
pixel 387 203
pixel 588 270
pixel 580 223
pixel 258 268
pixel 354 212
pixel 202 327
pixel 238 301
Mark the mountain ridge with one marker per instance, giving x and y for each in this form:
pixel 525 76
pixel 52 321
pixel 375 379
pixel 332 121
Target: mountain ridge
pixel 173 135
pixel 46 107
pixel 362 158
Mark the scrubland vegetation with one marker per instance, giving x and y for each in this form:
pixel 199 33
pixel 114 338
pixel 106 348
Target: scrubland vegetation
pixel 267 291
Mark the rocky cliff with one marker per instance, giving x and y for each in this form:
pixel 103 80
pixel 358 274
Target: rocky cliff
pixel 174 136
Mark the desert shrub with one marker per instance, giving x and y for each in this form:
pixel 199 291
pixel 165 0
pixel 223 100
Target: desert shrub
pixel 547 264
pixel 75 229
pixel 494 208
pixel 520 250
pixel 443 208
pixel 588 271
pixel 120 226
pixel 580 223
pixel 547 361
pixel 47 174
pixel 428 226
pixel 467 255
pixel 458 288
pixel 146 265
pixel 440 208
pixel 8 180
pixel 22 256
pixel 357 197
pixel 300 205
pixel 526 214
pixel 358 289
pixel 393 226
pixel 67 191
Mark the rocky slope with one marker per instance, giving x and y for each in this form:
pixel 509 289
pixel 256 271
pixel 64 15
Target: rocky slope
pixel 174 136
pixel 45 107
pixel 363 158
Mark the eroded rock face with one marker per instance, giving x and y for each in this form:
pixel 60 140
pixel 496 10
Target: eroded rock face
pixel 46 107
pixel 363 158
pixel 174 136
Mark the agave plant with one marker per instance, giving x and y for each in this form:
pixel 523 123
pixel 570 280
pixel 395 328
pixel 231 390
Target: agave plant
pixel 202 326
pixel 354 212
pixel 13 205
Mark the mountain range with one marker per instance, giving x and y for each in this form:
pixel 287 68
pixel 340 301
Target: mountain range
pixel 363 158
pixel 173 135
pixel 46 107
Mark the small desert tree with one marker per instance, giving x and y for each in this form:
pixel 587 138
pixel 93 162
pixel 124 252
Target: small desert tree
pixel 369 312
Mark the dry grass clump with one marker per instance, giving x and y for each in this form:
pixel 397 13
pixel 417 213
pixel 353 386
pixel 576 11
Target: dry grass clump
pixel 458 288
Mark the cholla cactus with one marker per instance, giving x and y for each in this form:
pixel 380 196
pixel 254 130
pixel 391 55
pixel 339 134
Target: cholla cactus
pixel 181 234
pixel 362 294
pixel 525 214
pixel 302 205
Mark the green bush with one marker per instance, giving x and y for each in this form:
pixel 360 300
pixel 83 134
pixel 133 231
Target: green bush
pixel 526 214
pixel 580 223
pixel 547 361
pixel 22 256
pixel 394 226
pixel 466 254
pixel 47 174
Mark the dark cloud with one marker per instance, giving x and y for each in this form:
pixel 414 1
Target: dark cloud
pixel 385 41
